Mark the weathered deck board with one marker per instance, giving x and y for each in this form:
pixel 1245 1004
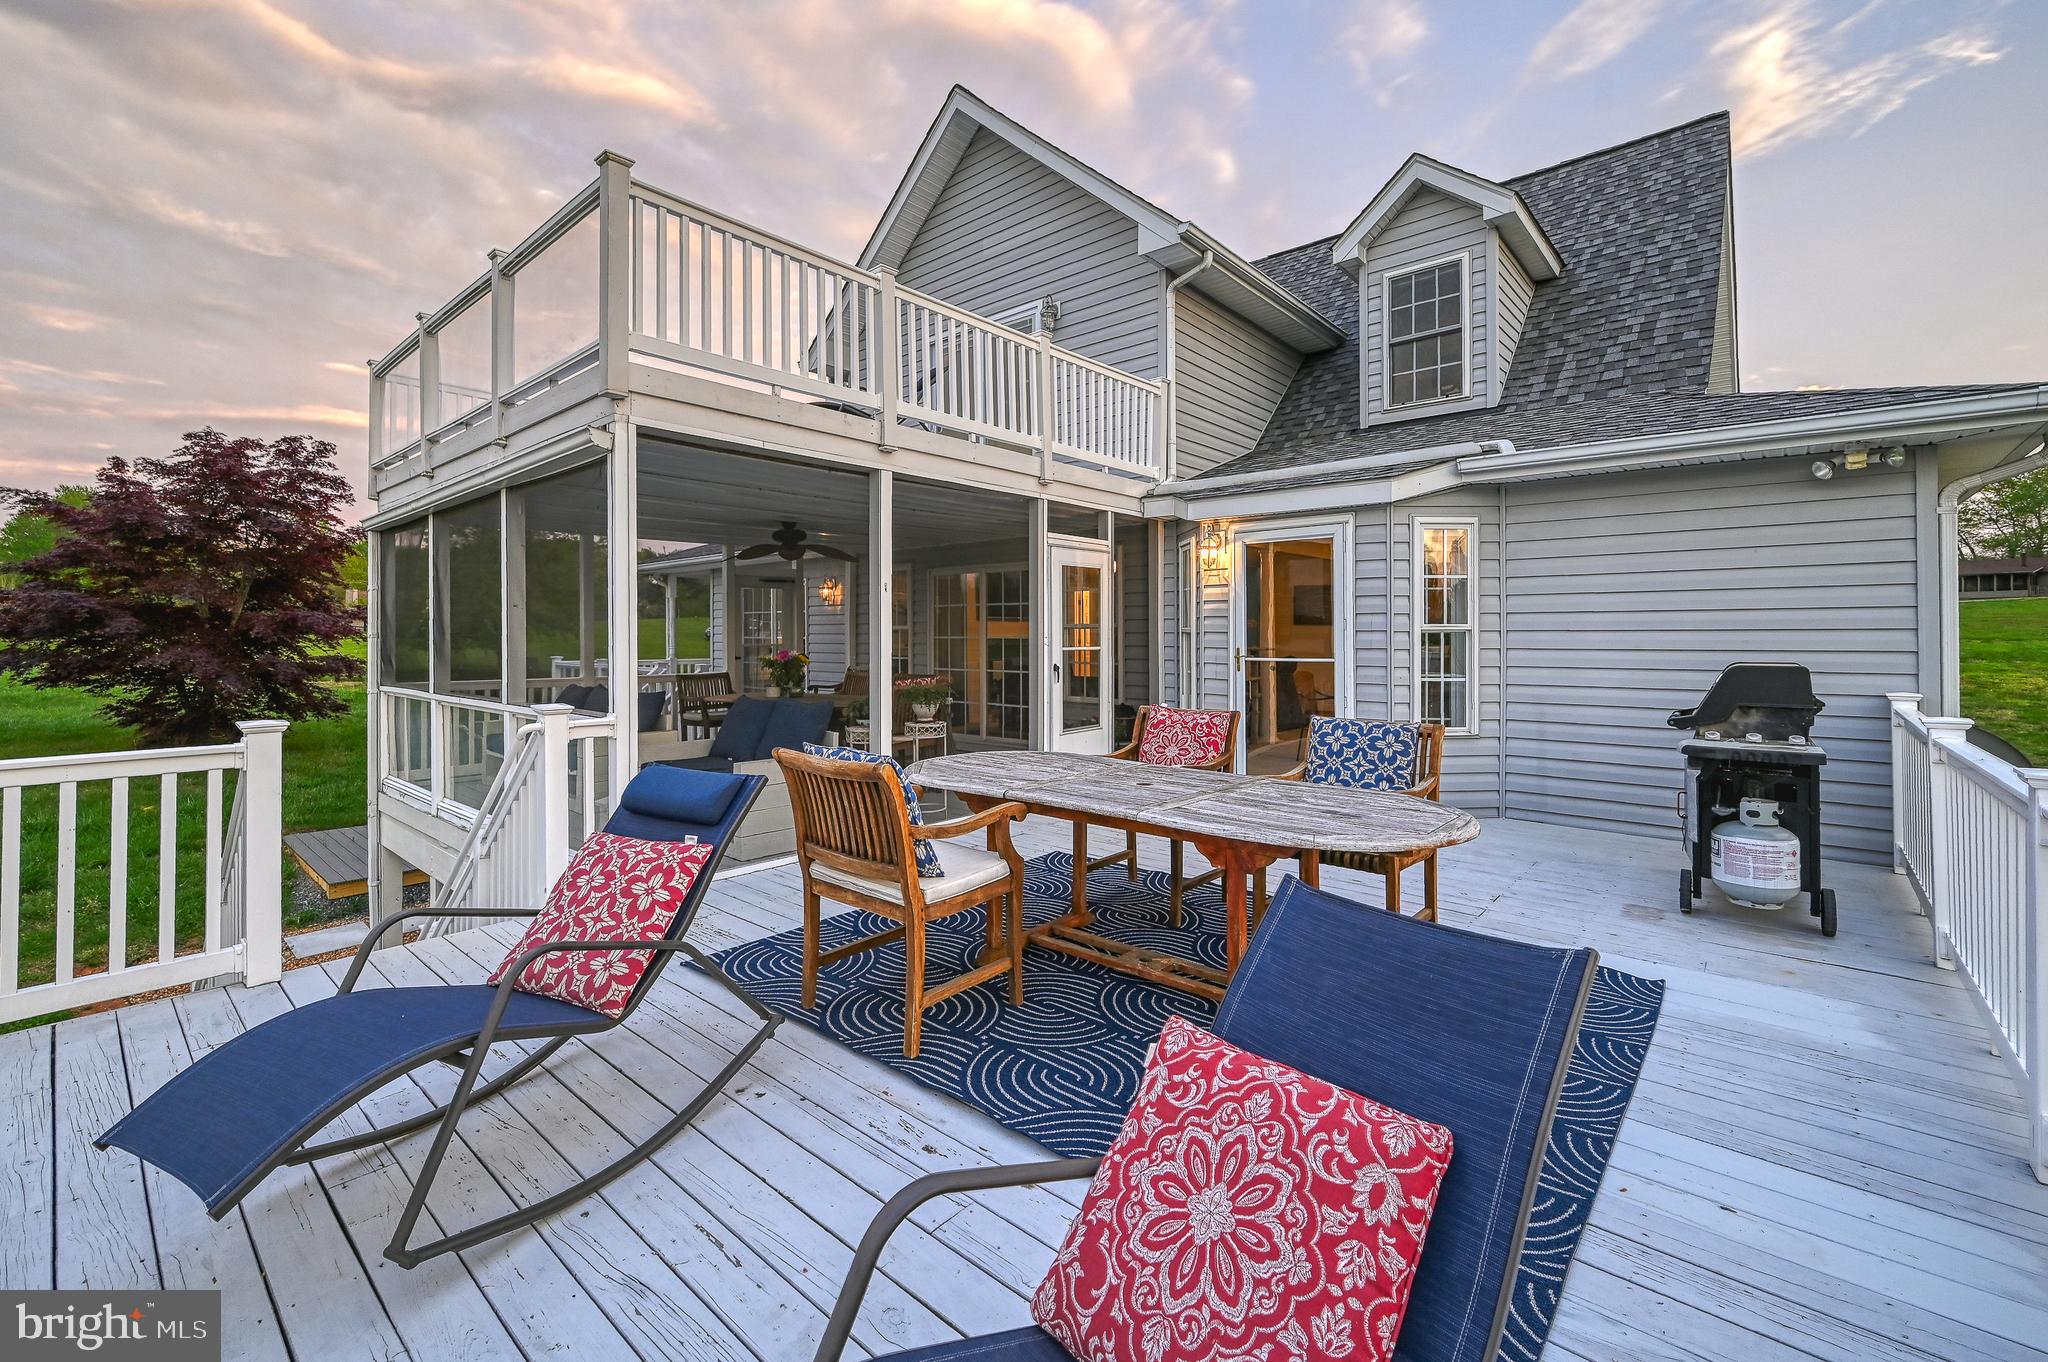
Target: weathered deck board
pixel 1824 1159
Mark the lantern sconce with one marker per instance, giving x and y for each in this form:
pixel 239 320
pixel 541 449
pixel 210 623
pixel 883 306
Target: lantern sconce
pixel 832 592
pixel 1209 548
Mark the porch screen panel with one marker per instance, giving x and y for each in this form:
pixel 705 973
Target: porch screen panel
pixel 403 656
pixel 469 591
pixel 564 605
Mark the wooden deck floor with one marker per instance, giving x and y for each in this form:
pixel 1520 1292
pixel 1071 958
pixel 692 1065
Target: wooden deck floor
pixel 1824 1160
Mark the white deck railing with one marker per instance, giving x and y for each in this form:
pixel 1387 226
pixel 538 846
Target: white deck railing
pixel 1971 833
pixel 242 931
pixel 683 286
pixel 550 794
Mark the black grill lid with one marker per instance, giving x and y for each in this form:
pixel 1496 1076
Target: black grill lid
pixel 1773 700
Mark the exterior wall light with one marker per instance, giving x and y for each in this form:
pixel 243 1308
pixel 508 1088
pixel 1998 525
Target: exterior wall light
pixel 1823 469
pixel 1210 548
pixel 832 592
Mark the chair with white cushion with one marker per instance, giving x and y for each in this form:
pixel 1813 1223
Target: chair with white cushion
pixel 860 841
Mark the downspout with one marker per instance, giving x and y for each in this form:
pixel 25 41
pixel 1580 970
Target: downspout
pixel 1173 286
pixel 1952 497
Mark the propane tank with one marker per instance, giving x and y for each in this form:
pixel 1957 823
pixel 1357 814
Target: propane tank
pixel 1756 862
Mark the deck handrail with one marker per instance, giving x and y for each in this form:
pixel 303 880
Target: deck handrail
pixel 683 285
pixel 1970 833
pixel 241 886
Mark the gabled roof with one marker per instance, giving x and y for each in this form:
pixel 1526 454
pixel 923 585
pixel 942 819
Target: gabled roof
pixel 1501 207
pixel 1632 317
pixel 1172 243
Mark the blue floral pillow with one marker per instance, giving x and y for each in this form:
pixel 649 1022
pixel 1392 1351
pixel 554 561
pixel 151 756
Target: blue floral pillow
pixel 1362 754
pixel 928 867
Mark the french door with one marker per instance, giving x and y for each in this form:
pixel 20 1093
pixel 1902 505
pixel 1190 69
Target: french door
pixel 1078 670
pixel 1291 619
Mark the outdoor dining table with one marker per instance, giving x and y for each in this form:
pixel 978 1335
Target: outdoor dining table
pixel 1239 823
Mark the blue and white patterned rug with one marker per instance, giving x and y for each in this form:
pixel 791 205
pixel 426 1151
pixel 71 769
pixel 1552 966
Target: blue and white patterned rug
pixel 1063 1068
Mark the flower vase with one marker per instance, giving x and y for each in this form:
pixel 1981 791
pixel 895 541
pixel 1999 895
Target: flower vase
pixel 925 710
pixel 774 692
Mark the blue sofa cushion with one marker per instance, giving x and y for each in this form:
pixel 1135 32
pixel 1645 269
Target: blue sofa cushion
pixel 572 696
pixel 598 701
pixel 1341 990
pixel 792 723
pixel 1364 754
pixel 740 735
pixel 720 764
pixel 652 705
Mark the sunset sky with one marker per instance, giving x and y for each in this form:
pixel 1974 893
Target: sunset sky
pixel 213 211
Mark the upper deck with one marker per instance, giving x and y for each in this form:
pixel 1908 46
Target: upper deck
pixel 629 291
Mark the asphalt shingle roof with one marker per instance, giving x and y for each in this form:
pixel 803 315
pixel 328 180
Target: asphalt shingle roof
pixel 1617 345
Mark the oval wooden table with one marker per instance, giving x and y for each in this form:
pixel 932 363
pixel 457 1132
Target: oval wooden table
pixel 1240 824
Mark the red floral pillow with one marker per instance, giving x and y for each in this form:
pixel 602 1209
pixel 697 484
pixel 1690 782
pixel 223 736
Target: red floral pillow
pixel 1245 1210
pixel 616 889
pixel 1183 737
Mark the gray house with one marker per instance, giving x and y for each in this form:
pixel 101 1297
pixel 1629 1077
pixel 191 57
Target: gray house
pixel 1482 456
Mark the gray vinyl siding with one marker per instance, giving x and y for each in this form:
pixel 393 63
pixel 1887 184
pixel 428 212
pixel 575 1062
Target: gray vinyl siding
pixel 1134 620
pixel 1231 377
pixel 1510 311
pixel 1429 227
pixel 825 641
pixel 1006 231
pixel 1628 593
pixel 1472 762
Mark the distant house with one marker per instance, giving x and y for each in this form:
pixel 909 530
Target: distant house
pixel 1481 456
pixel 1982 578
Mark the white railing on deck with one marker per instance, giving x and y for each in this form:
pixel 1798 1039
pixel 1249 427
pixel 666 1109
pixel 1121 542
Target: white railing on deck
pixel 551 793
pixel 1971 834
pixel 241 931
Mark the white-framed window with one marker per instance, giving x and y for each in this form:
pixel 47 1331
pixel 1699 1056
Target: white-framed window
pixel 1446 634
pixel 899 622
pixel 1186 593
pixel 1425 330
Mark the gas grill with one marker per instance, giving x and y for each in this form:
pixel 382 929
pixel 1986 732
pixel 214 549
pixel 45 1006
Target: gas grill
pixel 1751 805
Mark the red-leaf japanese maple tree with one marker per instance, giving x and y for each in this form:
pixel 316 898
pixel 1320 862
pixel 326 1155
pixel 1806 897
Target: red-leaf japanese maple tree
pixel 194 590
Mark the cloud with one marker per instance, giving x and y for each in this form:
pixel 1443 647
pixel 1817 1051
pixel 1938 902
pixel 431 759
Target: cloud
pixel 61 318
pixel 1381 36
pixel 300 414
pixel 1592 34
pixel 1788 77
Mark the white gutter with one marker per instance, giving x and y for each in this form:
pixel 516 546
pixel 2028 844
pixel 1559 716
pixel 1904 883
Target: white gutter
pixel 1945 509
pixel 1193 488
pixel 1170 368
pixel 1899 423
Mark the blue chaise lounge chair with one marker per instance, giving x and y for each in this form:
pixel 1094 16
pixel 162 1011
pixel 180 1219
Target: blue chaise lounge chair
pixel 1469 1031
pixel 248 1108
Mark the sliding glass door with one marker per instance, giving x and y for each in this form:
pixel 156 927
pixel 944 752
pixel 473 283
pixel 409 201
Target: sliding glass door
pixel 1292 626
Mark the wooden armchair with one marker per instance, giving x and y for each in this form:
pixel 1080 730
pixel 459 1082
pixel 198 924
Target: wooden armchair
pixel 1223 758
pixel 701 699
pixel 857 845
pixel 1424 781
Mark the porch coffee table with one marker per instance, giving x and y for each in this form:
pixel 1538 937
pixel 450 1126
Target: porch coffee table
pixel 1240 824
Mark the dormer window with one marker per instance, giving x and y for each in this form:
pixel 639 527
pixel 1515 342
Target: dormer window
pixel 1426 333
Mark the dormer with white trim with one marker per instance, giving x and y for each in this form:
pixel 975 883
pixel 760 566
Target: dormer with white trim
pixel 1446 264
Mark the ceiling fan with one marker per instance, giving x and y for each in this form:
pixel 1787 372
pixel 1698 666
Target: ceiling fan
pixel 792 545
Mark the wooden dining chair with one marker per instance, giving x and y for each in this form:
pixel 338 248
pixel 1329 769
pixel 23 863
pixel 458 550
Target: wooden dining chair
pixel 698 694
pixel 857 843
pixel 1196 739
pixel 1372 754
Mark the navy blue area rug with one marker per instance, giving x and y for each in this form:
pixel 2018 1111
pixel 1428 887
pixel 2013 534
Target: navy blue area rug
pixel 1063 1069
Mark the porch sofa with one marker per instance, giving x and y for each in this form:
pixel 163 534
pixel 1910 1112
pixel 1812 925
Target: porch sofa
pixel 745 744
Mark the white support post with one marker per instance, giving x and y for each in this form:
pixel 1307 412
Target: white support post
pixel 262 850
pixel 2034 971
pixel 1942 734
pixel 1043 339
pixel 502 353
pixel 385 898
pixel 891 377
pixel 1112 632
pixel 1901 703
pixel 881 611
pixel 729 621
pixel 1038 605
pixel 622 586
pixel 1155 606
pixel 668 620
pixel 554 789
pixel 615 270
pixel 430 390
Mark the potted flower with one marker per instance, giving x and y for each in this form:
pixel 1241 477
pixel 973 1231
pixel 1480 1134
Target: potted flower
pixel 785 672
pixel 924 695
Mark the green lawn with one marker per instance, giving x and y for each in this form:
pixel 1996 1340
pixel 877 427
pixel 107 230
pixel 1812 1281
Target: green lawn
pixel 324 783
pixel 2005 670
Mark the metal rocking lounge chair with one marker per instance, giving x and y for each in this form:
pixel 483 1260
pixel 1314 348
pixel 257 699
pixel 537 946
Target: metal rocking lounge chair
pixel 1470 1031
pixel 248 1108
